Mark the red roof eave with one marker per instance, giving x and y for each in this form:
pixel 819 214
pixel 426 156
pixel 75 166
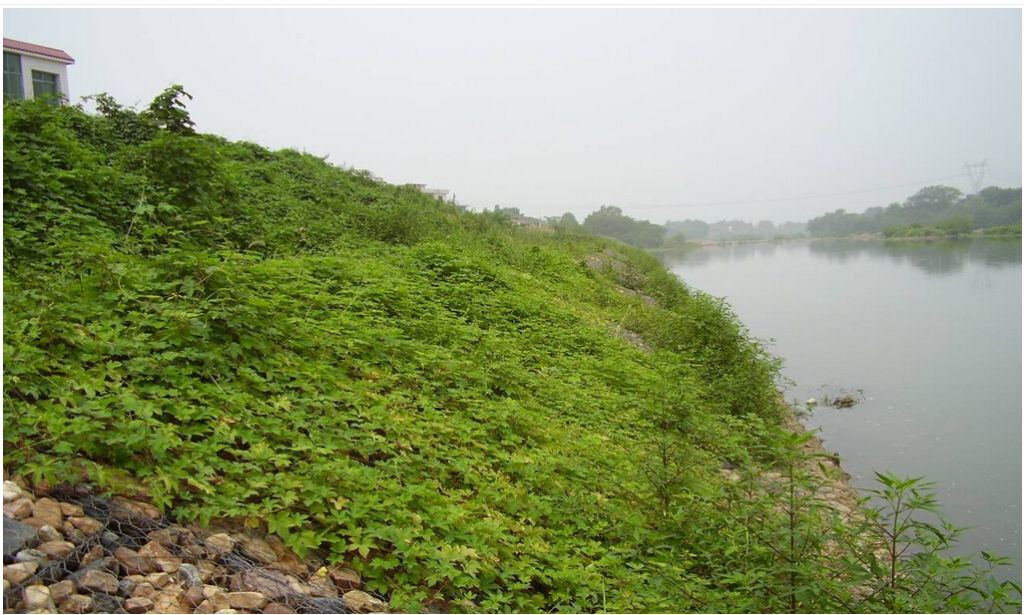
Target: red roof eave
pixel 38 50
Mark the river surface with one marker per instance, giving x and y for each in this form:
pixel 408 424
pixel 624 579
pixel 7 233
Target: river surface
pixel 930 332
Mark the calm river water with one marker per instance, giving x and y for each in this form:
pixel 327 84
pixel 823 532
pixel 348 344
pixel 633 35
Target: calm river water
pixel 929 331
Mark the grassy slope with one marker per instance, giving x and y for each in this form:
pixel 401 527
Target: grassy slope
pixel 430 394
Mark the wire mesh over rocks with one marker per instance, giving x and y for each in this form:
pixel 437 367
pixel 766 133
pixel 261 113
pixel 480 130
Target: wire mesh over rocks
pixel 75 552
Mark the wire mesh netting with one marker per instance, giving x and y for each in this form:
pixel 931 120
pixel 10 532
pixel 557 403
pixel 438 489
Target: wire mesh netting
pixel 78 552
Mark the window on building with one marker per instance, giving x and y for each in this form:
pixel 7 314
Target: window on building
pixel 12 76
pixel 45 85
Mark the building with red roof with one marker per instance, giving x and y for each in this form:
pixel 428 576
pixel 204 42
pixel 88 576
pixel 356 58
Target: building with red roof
pixel 35 71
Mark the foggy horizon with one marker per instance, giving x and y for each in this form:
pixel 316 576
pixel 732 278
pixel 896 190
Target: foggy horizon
pixel 670 114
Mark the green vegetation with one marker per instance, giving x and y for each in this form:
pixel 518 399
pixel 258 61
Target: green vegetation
pixel 473 415
pixel 609 221
pixel 1008 230
pixel 932 211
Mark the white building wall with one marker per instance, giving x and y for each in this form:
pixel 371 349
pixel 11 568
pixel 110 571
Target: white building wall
pixel 30 63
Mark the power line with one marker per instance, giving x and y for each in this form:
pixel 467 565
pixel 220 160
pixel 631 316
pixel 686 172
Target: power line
pixel 808 196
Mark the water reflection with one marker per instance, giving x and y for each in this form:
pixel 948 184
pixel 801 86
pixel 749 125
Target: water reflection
pixel 933 257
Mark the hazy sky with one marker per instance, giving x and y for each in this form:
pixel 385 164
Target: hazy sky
pixel 659 111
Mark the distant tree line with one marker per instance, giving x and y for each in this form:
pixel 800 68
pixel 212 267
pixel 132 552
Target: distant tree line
pixel 733 230
pixel 935 210
pixel 609 221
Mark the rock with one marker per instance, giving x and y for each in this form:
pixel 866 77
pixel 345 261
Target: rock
pixel 209 571
pixel 126 586
pixel 361 602
pixel 97 582
pixel 346 579
pixel 37 599
pixel 276 607
pixel 321 587
pixel 250 601
pixel 194 595
pixel 94 554
pixel 257 549
pixel 227 611
pixel 48 510
pixel 57 549
pixel 60 591
pixel 270 583
pixel 167 536
pixel 158 579
pixel 19 573
pixel 171 600
pixel 134 563
pixel 18 509
pixel 87 525
pixel 12 491
pixel 17 537
pixel 164 559
pixel 71 510
pixel 105 603
pixel 72 533
pixel 126 510
pixel 77 603
pixel 30 555
pixel 48 533
pixel 34 521
pixel 138 605
pixel 144 590
pixel 216 600
pixel 189 576
pixel 219 543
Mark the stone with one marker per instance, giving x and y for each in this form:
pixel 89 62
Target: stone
pixel 219 543
pixel 126 586
pixel 227 612
pixel 77 603
pixel 30 555
pixel 346 578
pixel 134 563
pixel 72 533
pixel 12 491
pixel 71 510
pixel 48 510
pixel 189 576
pixel 60 591
pixel 144 590
pixel 257 549
pixel 250 601
pixel 87 525
pixel 210 571
pixel 97 582
pixel 105 603
pixel 138 605
pixel 57 549
pixel 34 521
pixel 321 587
pixel 194 595
pixel 270 583
pixel 126 510
pixel 216 600
pixel 171 600
pixel 17 537
pixel 158 579
pixel 361 602
pixel 167 536
pixel 48 533
pixel 37 599
pixel 94 554
pixel 276 607
pixel 164 559
pixel 18 509
pixel 19 573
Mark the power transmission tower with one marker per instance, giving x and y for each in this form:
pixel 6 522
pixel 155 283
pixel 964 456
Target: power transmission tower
pixel 976 173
